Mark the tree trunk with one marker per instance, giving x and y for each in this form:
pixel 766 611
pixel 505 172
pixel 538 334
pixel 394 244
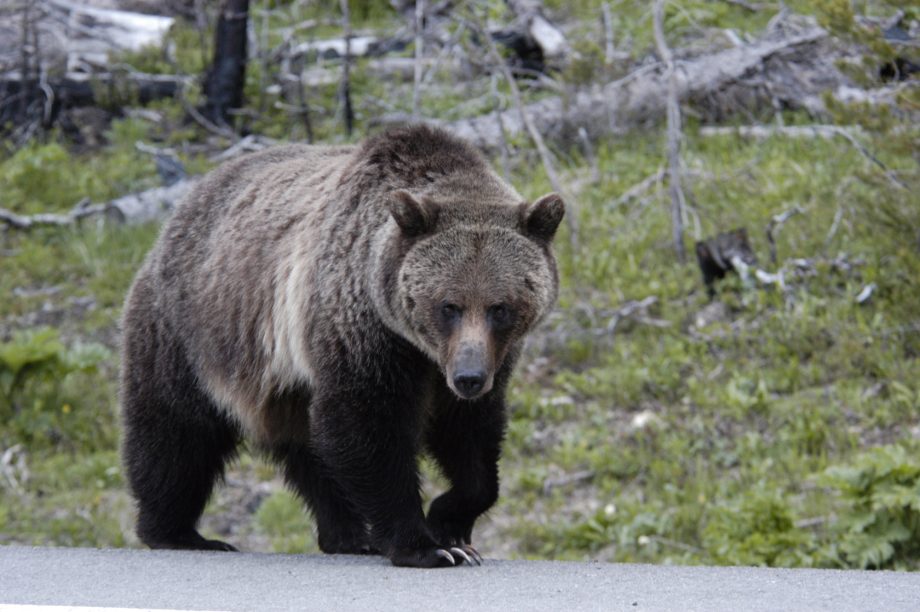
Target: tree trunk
pixel 223 86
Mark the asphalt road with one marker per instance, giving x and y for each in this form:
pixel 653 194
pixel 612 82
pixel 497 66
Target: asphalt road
pixel 240 581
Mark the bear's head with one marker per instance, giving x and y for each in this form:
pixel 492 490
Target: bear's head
pixel 470 285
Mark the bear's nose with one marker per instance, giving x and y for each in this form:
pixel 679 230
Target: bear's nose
pixel 469 382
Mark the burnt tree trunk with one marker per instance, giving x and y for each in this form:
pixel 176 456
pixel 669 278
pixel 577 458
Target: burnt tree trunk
pixel 223 87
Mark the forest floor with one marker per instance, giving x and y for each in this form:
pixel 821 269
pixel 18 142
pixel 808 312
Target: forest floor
pixel 770 425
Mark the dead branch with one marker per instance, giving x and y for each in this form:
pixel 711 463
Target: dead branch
pixel 891 176
pixel 247 144
pixel 638 189
pixel 633 309
pixel 675 188
pixel 776 222
pixel 203 121
pixel 607 20
pixel 589 154
pixel 419 54
pixel 26 222
pixel 789 131
pixel 504 149
pixel 566 479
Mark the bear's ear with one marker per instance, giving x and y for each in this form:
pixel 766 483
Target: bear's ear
pixel 542 218
pixel 413 216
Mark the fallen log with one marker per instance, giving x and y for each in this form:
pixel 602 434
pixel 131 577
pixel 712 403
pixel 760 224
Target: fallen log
pixel 641 96
pixel 822 131
pixel 74 90
pixel 145 206
pixel 151 205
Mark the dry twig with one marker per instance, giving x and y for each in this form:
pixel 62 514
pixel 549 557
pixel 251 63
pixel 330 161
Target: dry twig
pixel 638 189
pixel 776 222
pixel 607 20
pixel 678 201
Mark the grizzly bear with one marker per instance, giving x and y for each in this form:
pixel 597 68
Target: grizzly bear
pixel 343 309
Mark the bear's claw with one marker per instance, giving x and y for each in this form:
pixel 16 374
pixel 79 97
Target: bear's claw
pixel 460 553
pixel 470 554
pixel 445 555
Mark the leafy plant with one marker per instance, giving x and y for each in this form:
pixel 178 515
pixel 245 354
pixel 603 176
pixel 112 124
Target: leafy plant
pixel 758 529
pixel 880 504
pixel 34 366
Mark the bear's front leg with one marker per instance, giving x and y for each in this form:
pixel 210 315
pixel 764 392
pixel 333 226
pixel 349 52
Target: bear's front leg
pixel 465 439
pixel 366 437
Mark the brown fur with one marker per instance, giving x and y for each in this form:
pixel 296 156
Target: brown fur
pixel 290 274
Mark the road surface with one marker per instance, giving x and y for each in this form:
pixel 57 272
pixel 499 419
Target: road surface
pixel 79 578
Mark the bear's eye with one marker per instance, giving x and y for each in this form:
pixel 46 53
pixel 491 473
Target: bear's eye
pixel 450 312
pixel 500 315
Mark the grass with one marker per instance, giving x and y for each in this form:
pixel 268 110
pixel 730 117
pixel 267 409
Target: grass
pixel 767 428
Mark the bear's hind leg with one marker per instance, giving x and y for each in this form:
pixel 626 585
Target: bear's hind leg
pixel 173 461
pixel 176 441
pixel 173 488
pixel 340 528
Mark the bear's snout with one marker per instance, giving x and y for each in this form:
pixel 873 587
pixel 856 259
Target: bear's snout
pixel 470 374
pixel 469 382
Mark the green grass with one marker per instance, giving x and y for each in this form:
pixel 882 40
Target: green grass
pixel 742 418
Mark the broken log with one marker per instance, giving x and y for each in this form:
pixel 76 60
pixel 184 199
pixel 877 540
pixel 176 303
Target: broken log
pixel 641 96
pixel 721 254
pixel 532 19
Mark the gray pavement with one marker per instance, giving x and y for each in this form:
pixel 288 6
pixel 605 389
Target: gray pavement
pixel 242 581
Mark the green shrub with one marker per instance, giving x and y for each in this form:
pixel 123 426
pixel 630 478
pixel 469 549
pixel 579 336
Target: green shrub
pixel 757 528
pixel 37 394
pixel 880 508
